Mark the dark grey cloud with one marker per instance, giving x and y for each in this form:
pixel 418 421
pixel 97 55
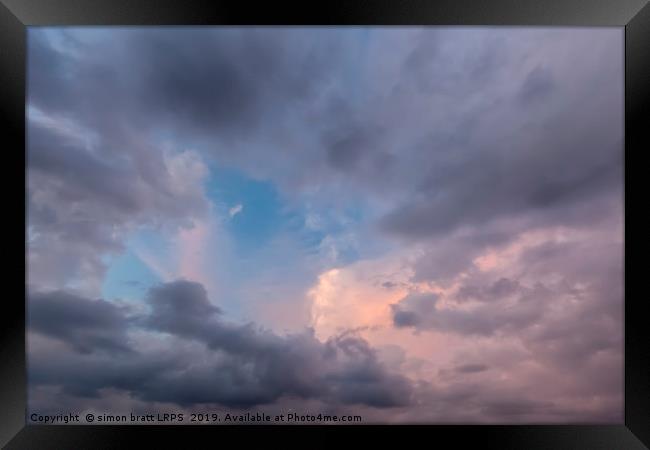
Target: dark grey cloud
pixel 209 362
pixel 85 325
pixel 222 81
pixel 514 155
pixel 533 182
pixel 179 306
pixel 405 318
pixel 345 152
pixel 214 82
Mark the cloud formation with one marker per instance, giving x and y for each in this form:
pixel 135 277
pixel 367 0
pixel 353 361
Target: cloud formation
pixel 232 212
pixel 459 197
pixel 234 365
pixel 85 325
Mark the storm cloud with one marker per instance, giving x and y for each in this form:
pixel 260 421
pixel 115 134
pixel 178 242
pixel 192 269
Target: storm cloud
pixel 85 325
pixel 236 366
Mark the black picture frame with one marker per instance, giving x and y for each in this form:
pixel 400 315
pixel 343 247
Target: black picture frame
pixel 16 15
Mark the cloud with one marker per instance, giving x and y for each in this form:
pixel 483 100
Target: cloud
pixel 85 325
pixel 233 365
pixel 471 368
pixel 232 212
pixel 291 90
pixel 558 297
pixel 83 202
pixel 538 84
pixel 281 105
pixel 486 164
pixel 508 156
pixel 421 311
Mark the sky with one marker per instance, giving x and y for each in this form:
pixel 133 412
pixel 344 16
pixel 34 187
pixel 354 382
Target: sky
pixel 411 224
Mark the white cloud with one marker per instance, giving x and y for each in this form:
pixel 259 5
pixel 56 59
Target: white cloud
pixel 232 212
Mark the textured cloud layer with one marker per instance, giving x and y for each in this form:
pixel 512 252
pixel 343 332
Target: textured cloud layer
pixel 476 172
pixel 234 365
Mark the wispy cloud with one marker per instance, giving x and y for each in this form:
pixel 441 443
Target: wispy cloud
pixel 238 208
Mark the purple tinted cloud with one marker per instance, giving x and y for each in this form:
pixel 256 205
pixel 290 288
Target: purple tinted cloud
pixel 451 145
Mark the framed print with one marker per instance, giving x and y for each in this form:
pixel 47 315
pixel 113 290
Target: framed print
pixel 376 218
